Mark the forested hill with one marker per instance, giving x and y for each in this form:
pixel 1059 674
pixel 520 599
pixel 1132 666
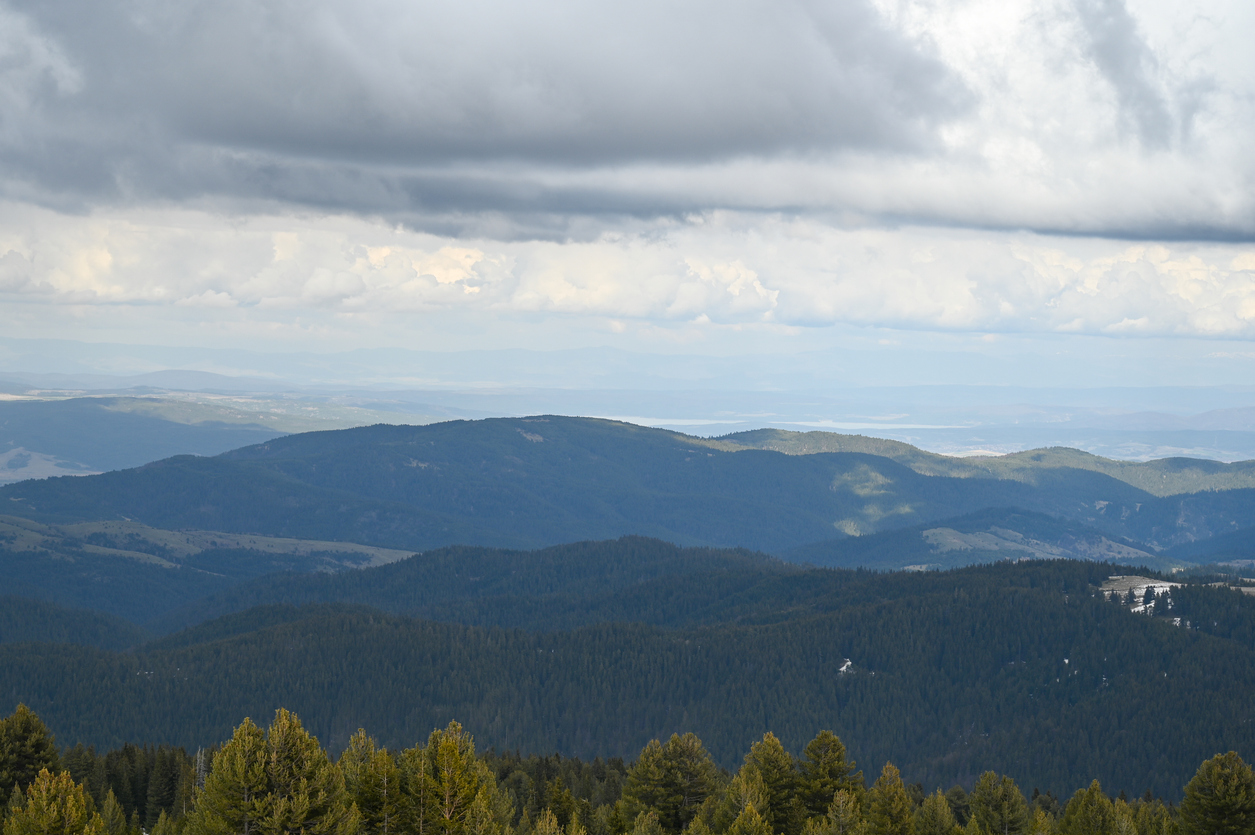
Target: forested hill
pixel 1023 668
pixel 530 482
pixel 632 579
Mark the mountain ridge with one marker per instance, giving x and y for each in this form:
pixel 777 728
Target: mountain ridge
pixel 533 482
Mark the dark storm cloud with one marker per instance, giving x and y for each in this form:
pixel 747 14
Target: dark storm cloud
pixel 354 104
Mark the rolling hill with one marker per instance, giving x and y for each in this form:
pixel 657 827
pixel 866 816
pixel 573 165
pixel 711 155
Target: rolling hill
pixel 532 482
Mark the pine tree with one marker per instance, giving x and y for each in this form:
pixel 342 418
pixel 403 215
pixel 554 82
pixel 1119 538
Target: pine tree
pixel 279 783
pixel 1153 818
pixel 960 806
pixel 1220 798
pixel 114 816
pixel 998 805
pixel 646 785
pixel 888 806
pixel 446 790
pixel 306 792
pixel 1042 822
pixel 1123 821
pixel 231 802
pixel 17 802
pixel 373 781
pixel 54 805
pixel 26 748
pixel 560 800
pixel 164 826
pixel 783 812
pixel 934 817
pixel 647 824
pixel 547 824
pixel 673 780
pixel 845 814
pixel 749 822
pixel 825 770
pixel 1087 813
pixel 163 785
pixel 745 790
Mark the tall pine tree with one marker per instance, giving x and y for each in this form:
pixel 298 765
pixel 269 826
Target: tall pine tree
pixel 998 805
pixel 279 783
pixel 231 802
pixel 673 780
pixel 26 748
pixel 374 782
pixel 1089 812
pixel 934 817
pixel 783 812
pixel 1220 798
pixel 825 770
pixel 888 805
pixel 447 790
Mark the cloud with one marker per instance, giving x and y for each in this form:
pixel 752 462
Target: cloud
pixel 384 167
pixel 564 120
pixel 1126 61
pixel 261 87
pixel 718 269
pixel 209 298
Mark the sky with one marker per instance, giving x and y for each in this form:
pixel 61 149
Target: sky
pixel 1015 177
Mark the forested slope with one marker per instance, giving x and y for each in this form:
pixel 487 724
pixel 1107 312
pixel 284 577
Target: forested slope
pixel 1021 668
pixel 23 620
pixel 630 579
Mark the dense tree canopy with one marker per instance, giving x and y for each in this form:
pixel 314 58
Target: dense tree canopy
pixel 281 781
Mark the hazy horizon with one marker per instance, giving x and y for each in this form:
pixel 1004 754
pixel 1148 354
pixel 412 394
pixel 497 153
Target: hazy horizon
pixel 807 198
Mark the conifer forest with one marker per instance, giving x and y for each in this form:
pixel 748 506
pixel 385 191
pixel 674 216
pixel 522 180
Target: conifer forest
pixel 280 779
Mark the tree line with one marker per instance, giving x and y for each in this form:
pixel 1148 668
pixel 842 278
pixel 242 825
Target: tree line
pixel 279 780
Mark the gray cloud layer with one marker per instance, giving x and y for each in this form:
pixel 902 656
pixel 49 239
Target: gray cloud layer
pixel 518 119
pixel 176 97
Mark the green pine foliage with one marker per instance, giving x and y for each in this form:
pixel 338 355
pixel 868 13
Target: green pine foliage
pixel 674 780
pixel 749 822
pixel 26 749
pixel 143 780
pixel 1220 798
pixel 825 770
pixel 1089 812
pixel 933 817
pixel 275 782
pixel 746 790
pixel 998 806
pixel 782 810
pixel 844 817
pixel 373 781
pixel 53 804
pixel 889 809
pixel 281 781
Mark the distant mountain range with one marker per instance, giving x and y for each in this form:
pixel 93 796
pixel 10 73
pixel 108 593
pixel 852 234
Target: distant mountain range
pixel 148 542
pixel 531 482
